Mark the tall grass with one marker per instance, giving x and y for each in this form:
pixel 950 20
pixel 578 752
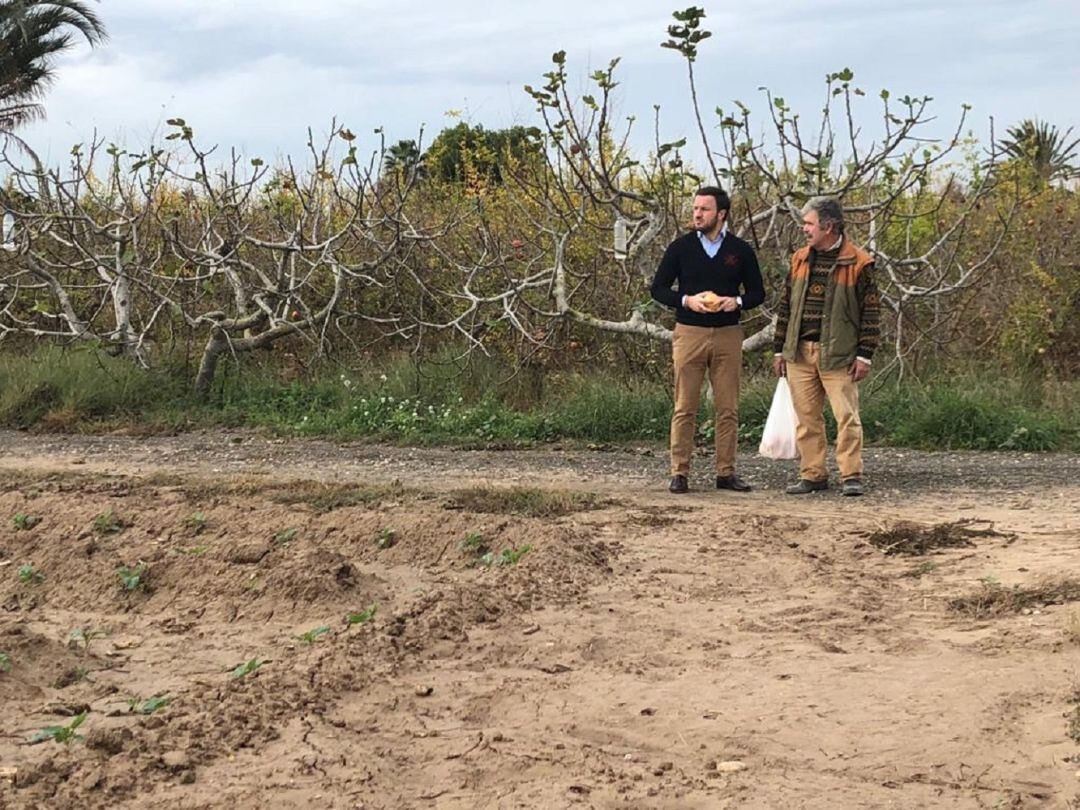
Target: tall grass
pixel 57 388
pixel 439 401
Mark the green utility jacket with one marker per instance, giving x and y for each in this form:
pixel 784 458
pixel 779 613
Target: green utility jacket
pixel 843 314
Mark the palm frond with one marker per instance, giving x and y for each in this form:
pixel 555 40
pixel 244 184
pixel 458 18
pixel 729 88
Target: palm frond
pixel 1047 150
pixel 32 34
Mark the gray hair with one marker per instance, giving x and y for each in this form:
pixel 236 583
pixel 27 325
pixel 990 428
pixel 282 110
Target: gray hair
pixel 829 212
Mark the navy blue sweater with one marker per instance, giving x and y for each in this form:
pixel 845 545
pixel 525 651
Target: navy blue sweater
pixel 733 271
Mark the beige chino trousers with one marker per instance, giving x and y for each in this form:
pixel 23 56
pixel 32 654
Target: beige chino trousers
pixel 695 351
pixel 809 388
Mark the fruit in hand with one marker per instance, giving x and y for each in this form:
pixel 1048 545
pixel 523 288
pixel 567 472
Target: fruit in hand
pixel 711 301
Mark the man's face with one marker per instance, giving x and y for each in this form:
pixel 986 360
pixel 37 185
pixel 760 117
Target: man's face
pixel 817 237
pixel 706 217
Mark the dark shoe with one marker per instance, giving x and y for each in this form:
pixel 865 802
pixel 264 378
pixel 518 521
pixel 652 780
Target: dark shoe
pixel 679 484
pixel 851 486
pixel 805 486
pixel 732 482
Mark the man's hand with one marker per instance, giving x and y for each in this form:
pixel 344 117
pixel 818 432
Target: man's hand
pixel 779 366
pixel 859 370
pixel 728 304
pixel 696 303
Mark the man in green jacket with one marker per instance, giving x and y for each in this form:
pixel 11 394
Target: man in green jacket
pixel 827 329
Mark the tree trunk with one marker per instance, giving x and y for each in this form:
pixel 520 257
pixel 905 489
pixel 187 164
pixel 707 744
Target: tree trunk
pixel 215 347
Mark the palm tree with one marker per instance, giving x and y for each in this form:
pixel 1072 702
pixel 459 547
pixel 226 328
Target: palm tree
pixel 403 159
pixel 32 34
pixel 1041 146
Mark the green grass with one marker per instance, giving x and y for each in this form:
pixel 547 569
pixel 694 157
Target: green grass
pixel 980 417
pixel 57 388
pixel 439 402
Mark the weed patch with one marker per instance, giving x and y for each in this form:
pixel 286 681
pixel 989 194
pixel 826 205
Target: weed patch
pixel 508 556
pixel 912 539
pixel 524 501
pixel 328 497
pixel 285 536
pixel 24 522
pixel 993 600
pixel 195 522
pixel 475 547
pixel 921 570
pixel 108 522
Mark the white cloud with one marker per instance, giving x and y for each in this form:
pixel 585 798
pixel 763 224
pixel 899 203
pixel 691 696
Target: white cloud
pixel 257 73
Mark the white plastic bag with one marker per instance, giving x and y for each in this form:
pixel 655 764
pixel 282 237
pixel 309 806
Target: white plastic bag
pixel 778 438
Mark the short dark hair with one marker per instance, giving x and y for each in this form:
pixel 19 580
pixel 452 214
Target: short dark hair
pixel 723 201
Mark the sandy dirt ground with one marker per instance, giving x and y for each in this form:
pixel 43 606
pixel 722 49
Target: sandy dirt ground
pixel 439 628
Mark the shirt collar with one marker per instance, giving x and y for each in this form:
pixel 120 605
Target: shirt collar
pixel 717 240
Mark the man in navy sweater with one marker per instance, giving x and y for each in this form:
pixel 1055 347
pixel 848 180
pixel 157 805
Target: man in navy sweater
pixel 718 278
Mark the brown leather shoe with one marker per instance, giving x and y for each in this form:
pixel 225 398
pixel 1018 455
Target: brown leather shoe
pixel 679 485
pixel 732 482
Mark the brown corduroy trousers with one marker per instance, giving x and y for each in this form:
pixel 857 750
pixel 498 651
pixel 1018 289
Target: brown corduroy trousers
pixel 718 351
pixel 809 387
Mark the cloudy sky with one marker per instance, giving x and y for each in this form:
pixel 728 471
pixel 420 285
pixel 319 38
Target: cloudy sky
pixel 255 74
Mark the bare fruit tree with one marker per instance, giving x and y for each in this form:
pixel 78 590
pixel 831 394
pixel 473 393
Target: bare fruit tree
pixel 137 251
pixel 600 217
pixel 123 249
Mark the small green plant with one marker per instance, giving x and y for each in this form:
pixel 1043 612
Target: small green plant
pixel 194 551
pixel 508 556
pixel 473 542
pixel 475 545
pixel 133 579
pixel 150 705
pixel 60 734
pixel 247 668
pixel 24 522
pixel 5 662
pixel 386 539
pixel 310 636
pixel 363 616
pixel 28 575
pixel 108 522
pixel 83 636
pixel 195 522
pixel 285 536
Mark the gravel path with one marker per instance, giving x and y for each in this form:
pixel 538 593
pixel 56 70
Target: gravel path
pixel 890 473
